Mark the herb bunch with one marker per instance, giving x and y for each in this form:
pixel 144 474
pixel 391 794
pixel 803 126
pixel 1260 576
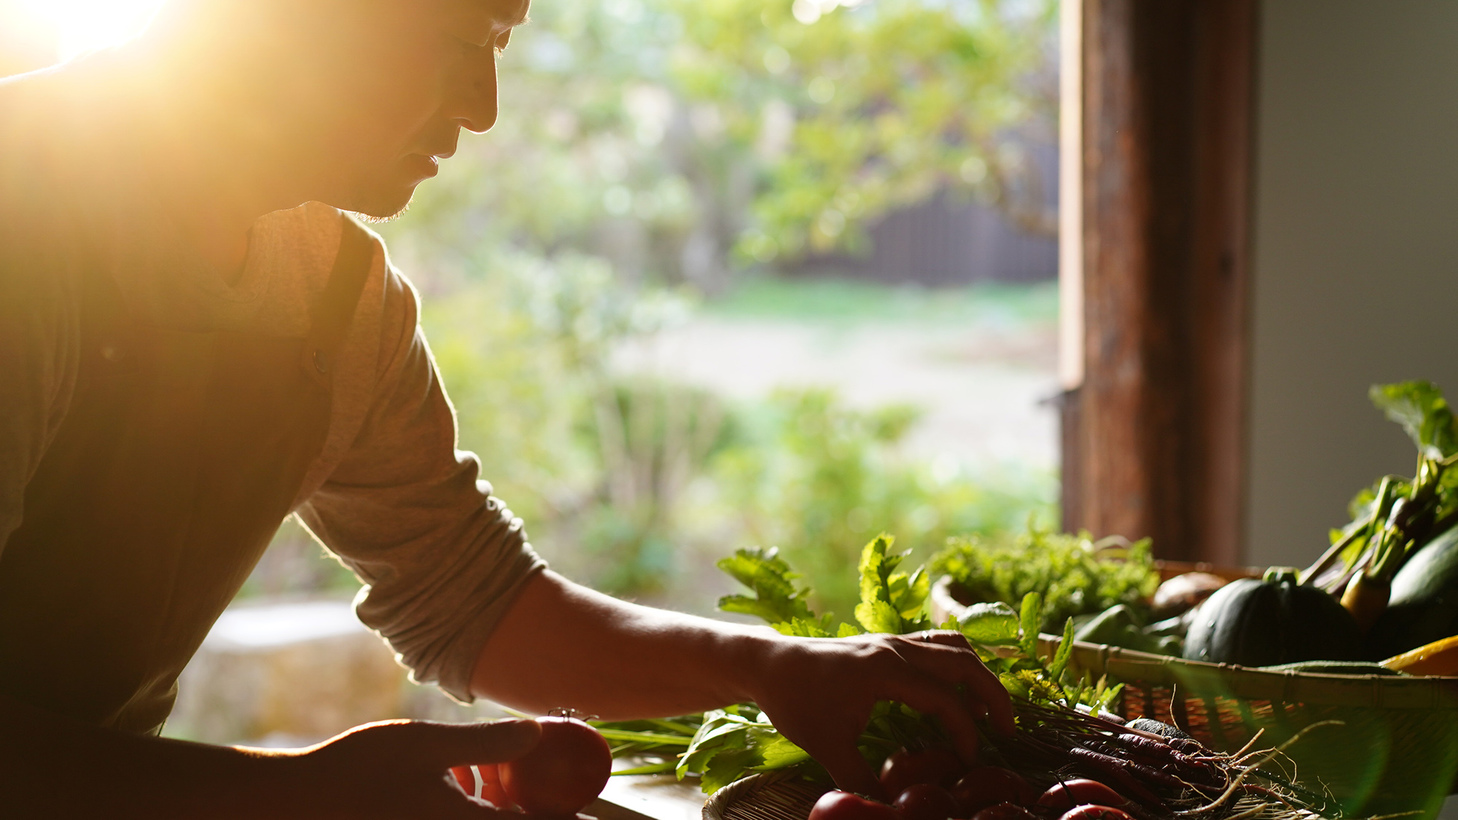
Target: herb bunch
pixel 729 744
pixel 1073 574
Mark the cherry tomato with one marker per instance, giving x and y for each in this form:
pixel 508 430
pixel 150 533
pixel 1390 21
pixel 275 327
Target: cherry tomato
pixel 904 767
pixel 561 774
pixel 1079 792
pixel 839 805
pixel 1095 813
pixel 1004 811
pixel 465 778
pixel 925 801
pixel 985 786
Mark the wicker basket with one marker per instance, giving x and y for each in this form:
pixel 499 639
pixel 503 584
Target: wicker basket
pixel 1392 746
pixel 777 795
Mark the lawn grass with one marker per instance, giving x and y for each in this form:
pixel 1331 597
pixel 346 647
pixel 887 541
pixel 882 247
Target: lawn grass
pixel 852 301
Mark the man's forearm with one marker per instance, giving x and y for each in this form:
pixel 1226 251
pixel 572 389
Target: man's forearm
pixel 56 768
pixel 562 645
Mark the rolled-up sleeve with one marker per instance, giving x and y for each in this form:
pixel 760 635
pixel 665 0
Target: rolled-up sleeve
pixel 440 556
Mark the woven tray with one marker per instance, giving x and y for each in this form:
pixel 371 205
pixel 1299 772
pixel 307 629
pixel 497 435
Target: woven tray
pixel 771 796
pixel 1396 747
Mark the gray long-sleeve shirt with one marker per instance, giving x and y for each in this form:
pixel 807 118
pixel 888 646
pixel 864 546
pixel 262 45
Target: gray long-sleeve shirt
pixel 440 557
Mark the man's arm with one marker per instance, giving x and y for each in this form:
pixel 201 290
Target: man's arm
pixel 56 768
pixel 562 645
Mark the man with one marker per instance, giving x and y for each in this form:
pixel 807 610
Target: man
pixel 193 345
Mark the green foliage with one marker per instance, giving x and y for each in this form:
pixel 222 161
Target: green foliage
pixel 663 135
pixel 1423 412
pixel 818 479
pixel 1397 515
pixel 777 598
pixel 732 743
pixel 891 601
pixel 1071 574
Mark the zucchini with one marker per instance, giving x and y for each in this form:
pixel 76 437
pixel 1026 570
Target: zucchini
pixel 1424 603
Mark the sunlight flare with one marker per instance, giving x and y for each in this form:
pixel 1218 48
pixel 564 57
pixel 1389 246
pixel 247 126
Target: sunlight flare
pixel 83 25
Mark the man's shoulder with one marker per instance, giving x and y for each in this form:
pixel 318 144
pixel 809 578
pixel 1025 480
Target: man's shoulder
pixel 42 151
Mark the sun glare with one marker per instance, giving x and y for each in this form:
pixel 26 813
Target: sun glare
pixel 83 25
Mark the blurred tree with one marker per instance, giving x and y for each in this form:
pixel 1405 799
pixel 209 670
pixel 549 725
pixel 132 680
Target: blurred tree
pixel 680 139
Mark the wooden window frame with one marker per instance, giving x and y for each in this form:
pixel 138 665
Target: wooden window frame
pixel 1158 129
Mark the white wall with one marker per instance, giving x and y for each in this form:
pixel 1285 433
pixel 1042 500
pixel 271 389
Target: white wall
pixel 1356 250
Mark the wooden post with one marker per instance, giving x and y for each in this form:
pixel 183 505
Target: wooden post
pixel 1155 426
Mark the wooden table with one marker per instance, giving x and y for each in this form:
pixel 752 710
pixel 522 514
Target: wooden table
pixel 648 797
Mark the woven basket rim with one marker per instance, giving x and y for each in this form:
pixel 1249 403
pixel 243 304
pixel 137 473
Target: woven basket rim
pixel 1246 683
pixel 719 801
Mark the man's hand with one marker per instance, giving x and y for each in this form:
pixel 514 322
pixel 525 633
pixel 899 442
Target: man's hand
pixel 563 645
pixel 398 769
pixel 819 694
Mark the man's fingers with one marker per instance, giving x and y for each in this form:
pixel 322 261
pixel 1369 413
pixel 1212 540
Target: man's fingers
pixel 931 697
pixel 947 656
pixel 850 771
pixel 445 745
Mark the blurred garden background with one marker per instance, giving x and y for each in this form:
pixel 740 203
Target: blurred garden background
pixel 667 298
pixel 730 274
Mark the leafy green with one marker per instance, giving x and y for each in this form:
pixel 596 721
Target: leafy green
pixel 891 601
pixel 724 745
pixel 777 598
pixel 1422 411
pixel 989 624
pixel 1397 515
pixel 1072 574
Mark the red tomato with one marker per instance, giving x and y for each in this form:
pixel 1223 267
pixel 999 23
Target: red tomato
pixel 465 778
pixel 561 774
pixel 839 805
pixel 985 786
pixel 491 790
pixel 925 801
pixel 904 768
pixel 1005 811
pixel 1095 813
pixel 1079 792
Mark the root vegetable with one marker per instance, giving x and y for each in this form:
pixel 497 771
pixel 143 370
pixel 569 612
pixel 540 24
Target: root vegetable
pixel 1095 813
pixel 986 786
pixel 925 801
pixel 839 805
pixel 1071 794
pixel 905 767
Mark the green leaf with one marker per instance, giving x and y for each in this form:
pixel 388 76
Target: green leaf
pixel 1065 651
pixel 878 616
pixel 778 752
pixel 989 624
pixel 777 598
pixel 1422 411
pixel 806 628
pixel 891 601
pixel 727 767
pixel 722 729
pixel 1032 616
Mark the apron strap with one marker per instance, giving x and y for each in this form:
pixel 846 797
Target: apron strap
pixel 334 310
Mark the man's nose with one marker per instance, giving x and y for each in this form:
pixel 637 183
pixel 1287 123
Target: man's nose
pixel 474 102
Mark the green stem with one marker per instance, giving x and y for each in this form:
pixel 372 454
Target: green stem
pixel 648 738
pixel 662 767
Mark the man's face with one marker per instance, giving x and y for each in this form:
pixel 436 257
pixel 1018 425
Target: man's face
pixel 382 97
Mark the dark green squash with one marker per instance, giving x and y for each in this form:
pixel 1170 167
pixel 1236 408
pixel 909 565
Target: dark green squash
pixel 1272 621
pixel 1424 604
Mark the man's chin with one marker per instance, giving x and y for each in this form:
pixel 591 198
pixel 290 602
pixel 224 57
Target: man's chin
pixel 379 206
